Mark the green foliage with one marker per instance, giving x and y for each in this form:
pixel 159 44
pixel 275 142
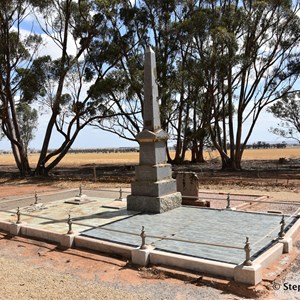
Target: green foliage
pixel 28 121
pixel 32 81
pixel 288 111
pixel 41 4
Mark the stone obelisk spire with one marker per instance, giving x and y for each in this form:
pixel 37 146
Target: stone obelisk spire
pixel 151 107
pixel 154 190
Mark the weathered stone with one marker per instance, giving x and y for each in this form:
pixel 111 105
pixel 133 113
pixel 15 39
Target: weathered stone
pixel 154 172
pixel 152 153
pixel 188 185
pixel 151 106
pixel 153 204
pixel 154 189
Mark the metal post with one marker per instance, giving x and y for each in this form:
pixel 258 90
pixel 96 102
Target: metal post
pixel 121 194
pixel 36 198
pixel 143 236
pixel 228 200
pixel 281 232
pixel 247 249
pixel 18 216
pixel 80 190
pixel 70 222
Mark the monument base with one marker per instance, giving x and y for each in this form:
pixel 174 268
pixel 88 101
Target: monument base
pixel 154 205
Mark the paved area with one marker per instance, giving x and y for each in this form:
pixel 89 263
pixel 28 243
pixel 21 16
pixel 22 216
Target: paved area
pixel 7 203
pixel 185 230
pixel 194 226
pixel 52 212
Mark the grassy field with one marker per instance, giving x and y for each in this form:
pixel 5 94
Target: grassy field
pixel 82 159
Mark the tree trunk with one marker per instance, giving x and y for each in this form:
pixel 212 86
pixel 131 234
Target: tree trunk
pixel 11 130
pixel 63 69
pixel 199 154
pixel 228 164
pixel 21 160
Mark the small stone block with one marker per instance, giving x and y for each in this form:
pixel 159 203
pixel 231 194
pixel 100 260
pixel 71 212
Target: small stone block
pixel 141 257
pixel 79 200
pixel 67 240
pixel 250 275
pixel 287 244
pixel 188 184
pixel 116 204
pixel 154 204
pixel 14 229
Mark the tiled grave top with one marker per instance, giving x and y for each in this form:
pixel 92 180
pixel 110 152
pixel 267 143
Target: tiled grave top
pixel 197 225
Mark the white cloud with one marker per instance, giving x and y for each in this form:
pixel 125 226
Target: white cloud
pixel 52 49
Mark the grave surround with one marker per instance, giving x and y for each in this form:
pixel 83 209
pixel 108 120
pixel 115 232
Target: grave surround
pixel 101 226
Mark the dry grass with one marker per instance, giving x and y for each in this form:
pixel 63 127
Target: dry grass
pixel 273 154
pixel 82 159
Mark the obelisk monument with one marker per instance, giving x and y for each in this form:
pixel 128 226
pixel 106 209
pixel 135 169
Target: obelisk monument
pixel 154 189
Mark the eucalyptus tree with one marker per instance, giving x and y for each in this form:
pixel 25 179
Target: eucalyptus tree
pixel 78 29
pixel 121 85
pixel 62 84
pixel 133 27
pixel 219 65
pixel 287 110
pixel 251 50
pixel 17 66
pixel 28 122
pixel 180 74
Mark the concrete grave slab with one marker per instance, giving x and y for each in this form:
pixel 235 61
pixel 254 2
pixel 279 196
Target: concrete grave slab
pixel 197 225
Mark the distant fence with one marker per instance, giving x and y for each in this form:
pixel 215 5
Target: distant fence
pixel 86 150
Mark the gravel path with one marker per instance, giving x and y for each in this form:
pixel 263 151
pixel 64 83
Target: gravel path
pixel 22 281
pixel 37 270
